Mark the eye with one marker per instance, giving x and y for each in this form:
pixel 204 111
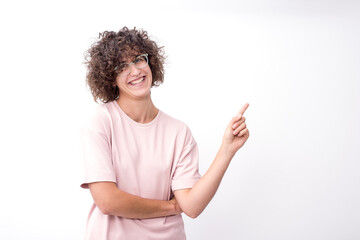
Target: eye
pixel 122 67
pixel 139 60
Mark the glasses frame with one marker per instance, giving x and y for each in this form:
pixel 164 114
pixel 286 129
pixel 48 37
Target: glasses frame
pixel 133 62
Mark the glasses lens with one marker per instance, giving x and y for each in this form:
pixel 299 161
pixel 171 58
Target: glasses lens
pixel 124 69
pixel 141 61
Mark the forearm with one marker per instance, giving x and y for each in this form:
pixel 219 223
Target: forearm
pixel 112 201
pixel 193 201
pixel 130 206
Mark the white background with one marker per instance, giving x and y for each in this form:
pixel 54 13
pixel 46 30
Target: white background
pixel 296 62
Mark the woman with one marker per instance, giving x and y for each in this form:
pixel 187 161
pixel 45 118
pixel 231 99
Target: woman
pixel 141 165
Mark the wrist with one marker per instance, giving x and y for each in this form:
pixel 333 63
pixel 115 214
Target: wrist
pixel 226 151
pixel 169 208
pixel 174 207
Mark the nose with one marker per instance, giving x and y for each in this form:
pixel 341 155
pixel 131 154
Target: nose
pixel 134 71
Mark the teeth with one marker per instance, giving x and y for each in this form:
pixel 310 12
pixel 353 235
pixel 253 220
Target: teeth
pixel 137 81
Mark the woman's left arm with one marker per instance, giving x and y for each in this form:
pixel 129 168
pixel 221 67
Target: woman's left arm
pixel 194 200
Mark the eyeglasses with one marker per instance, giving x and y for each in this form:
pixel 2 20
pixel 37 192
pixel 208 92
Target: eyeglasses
pixel 140 61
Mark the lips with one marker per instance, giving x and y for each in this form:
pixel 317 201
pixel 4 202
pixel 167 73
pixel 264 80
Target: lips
pixel 137 80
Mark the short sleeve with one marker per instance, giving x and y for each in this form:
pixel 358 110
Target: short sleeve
pixel 96 150
pixel 186 173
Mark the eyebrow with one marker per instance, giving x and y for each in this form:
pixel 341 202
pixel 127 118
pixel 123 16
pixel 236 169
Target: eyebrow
pixel 132 57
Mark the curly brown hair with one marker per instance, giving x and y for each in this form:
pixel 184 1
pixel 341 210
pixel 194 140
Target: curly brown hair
pixel 110 51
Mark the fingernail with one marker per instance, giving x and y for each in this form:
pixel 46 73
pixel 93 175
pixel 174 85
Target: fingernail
pixel 234 126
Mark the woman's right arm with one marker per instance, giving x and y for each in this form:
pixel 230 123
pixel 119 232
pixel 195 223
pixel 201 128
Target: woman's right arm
pixel 112 201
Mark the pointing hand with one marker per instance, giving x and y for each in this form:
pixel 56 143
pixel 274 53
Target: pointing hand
pixel 236 132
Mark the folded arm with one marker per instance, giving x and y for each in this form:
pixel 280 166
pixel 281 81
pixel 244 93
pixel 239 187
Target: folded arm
pixel 112 201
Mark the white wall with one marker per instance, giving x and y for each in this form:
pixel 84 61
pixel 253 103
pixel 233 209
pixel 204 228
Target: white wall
pixel 295 62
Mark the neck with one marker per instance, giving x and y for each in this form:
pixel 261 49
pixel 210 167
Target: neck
pixel 141 111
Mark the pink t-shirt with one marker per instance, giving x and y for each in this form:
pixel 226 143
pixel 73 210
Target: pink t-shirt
pixel 148 160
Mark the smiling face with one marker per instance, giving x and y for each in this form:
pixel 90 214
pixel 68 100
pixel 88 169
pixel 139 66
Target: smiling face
pixel 135 85
pixel 105 57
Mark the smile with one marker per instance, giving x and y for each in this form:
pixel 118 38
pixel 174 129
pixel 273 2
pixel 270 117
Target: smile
pixel 134 82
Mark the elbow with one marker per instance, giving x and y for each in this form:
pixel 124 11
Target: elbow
pixel 192 214
pixel 192 210
pixel 103 195
pixel 105 211
pixel 104 207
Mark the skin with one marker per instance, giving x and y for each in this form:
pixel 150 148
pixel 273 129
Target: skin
pixel 135 100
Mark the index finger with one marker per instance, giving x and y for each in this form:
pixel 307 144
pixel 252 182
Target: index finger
pixel 243 109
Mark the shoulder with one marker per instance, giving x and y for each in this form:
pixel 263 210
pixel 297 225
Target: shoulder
pixel 173 122
pixel 100 112
pixel 98 117
pixel 181 129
